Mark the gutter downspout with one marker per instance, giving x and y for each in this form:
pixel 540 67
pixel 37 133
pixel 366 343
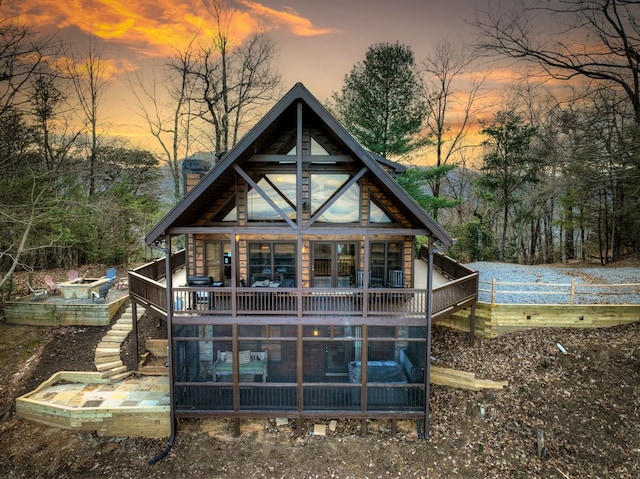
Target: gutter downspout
pixel 169 285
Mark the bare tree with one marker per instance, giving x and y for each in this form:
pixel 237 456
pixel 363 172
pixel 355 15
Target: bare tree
pixel 233 81
pixel 90 82
pixel 449 111
pixel 170 123
pixel 596 39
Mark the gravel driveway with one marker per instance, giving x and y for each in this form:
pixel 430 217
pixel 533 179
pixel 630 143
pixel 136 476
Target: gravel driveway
pixel 593 284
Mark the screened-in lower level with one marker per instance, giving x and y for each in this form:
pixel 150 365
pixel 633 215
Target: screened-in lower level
pixel 297 370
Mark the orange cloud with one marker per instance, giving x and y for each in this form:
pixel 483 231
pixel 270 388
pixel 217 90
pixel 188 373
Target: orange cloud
pixel 155 27
pixel 289 19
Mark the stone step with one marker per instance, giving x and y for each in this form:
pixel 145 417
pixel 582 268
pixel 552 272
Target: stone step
pixel 102 366
pixel 110 373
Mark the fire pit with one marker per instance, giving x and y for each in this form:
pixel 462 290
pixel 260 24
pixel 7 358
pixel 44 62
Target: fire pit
pixel 81 288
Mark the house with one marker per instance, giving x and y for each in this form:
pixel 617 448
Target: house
pixel 300 298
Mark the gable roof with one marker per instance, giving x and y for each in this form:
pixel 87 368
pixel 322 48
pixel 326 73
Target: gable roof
pixel 268 129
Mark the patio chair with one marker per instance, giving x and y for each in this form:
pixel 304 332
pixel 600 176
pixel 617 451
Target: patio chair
pixel 51 285
pixel 112 275
pixel 37 293
pixel 73 274
pixel 101 295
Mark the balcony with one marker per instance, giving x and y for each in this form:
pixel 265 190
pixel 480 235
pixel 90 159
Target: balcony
pixel 456 289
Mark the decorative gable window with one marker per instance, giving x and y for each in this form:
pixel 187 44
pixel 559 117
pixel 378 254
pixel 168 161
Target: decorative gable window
pixel 377 214
pixel 281 189
pixel 344 208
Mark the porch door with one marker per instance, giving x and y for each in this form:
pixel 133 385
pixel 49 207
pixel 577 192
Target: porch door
pixel 386 265
pixel 334 265
pixel 218 261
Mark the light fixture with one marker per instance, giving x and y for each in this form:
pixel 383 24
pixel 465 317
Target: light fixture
pixel 315 331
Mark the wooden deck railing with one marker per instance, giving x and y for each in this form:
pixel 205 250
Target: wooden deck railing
pixel 242 301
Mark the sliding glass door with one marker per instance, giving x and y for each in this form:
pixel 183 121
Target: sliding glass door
pixel 334 265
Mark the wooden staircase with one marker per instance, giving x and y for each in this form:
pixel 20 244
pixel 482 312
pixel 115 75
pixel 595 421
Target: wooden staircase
pixel 107 356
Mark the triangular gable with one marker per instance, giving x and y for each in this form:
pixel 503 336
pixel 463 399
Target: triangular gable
pixel 189 210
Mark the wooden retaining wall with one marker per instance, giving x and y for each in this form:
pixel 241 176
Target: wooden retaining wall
pixel 43 313
pixel 493 320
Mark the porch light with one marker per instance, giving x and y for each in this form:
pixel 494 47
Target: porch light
pixel 315 331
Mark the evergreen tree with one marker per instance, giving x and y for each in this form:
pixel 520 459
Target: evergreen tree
pixel 380 101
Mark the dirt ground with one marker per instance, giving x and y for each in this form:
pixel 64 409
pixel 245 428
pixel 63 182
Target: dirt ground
pixel 585 402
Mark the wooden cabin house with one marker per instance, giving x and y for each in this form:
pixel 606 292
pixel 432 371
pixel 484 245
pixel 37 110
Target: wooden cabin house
pixel 299 297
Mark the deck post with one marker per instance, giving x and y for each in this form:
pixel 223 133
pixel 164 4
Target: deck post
pixel 472 325
pixel 134 319
pixel 427 355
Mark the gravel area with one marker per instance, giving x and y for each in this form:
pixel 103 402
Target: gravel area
pixel 551 284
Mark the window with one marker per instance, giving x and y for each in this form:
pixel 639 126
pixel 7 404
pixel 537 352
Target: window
pixel 377 214
pixel 386 265
pixel 272 264
pixel 281 189
pixel 345 209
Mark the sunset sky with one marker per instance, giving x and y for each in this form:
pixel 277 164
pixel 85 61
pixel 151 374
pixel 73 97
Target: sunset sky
pixel 318 41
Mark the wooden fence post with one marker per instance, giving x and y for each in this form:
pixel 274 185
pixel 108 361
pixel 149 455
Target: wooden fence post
pixel 573 291
pixel 493 291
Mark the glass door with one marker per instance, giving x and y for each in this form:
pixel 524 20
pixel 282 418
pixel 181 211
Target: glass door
pixel 322 265
pixel 218 261
pixel 334 265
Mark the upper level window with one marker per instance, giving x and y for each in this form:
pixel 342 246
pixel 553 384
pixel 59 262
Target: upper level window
pixel 316 149
pixel 281 189
pixel 345 208
pixel 377 214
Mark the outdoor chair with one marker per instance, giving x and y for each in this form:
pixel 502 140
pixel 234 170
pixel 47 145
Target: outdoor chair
pixel 73 274
pixel 37 293
pixel 101 295
pixel 111 275
pixel 123 283
pixel 51 285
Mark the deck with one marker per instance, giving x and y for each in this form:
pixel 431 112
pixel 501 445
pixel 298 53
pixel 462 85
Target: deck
pixel 141 406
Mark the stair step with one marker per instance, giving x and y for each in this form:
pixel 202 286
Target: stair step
pixel 103 366
pixel 109 373
pixel 117 335
pixel 106 359
pixel 121 327
pixel 119 377
pixel 109 345
pixel 102 352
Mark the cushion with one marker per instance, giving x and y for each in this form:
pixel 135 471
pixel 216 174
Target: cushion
pixel 244 357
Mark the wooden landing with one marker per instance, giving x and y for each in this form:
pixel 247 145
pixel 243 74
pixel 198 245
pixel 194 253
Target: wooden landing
pixel 84 401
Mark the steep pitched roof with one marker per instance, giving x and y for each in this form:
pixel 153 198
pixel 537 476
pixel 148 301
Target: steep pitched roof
pixel 268 129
